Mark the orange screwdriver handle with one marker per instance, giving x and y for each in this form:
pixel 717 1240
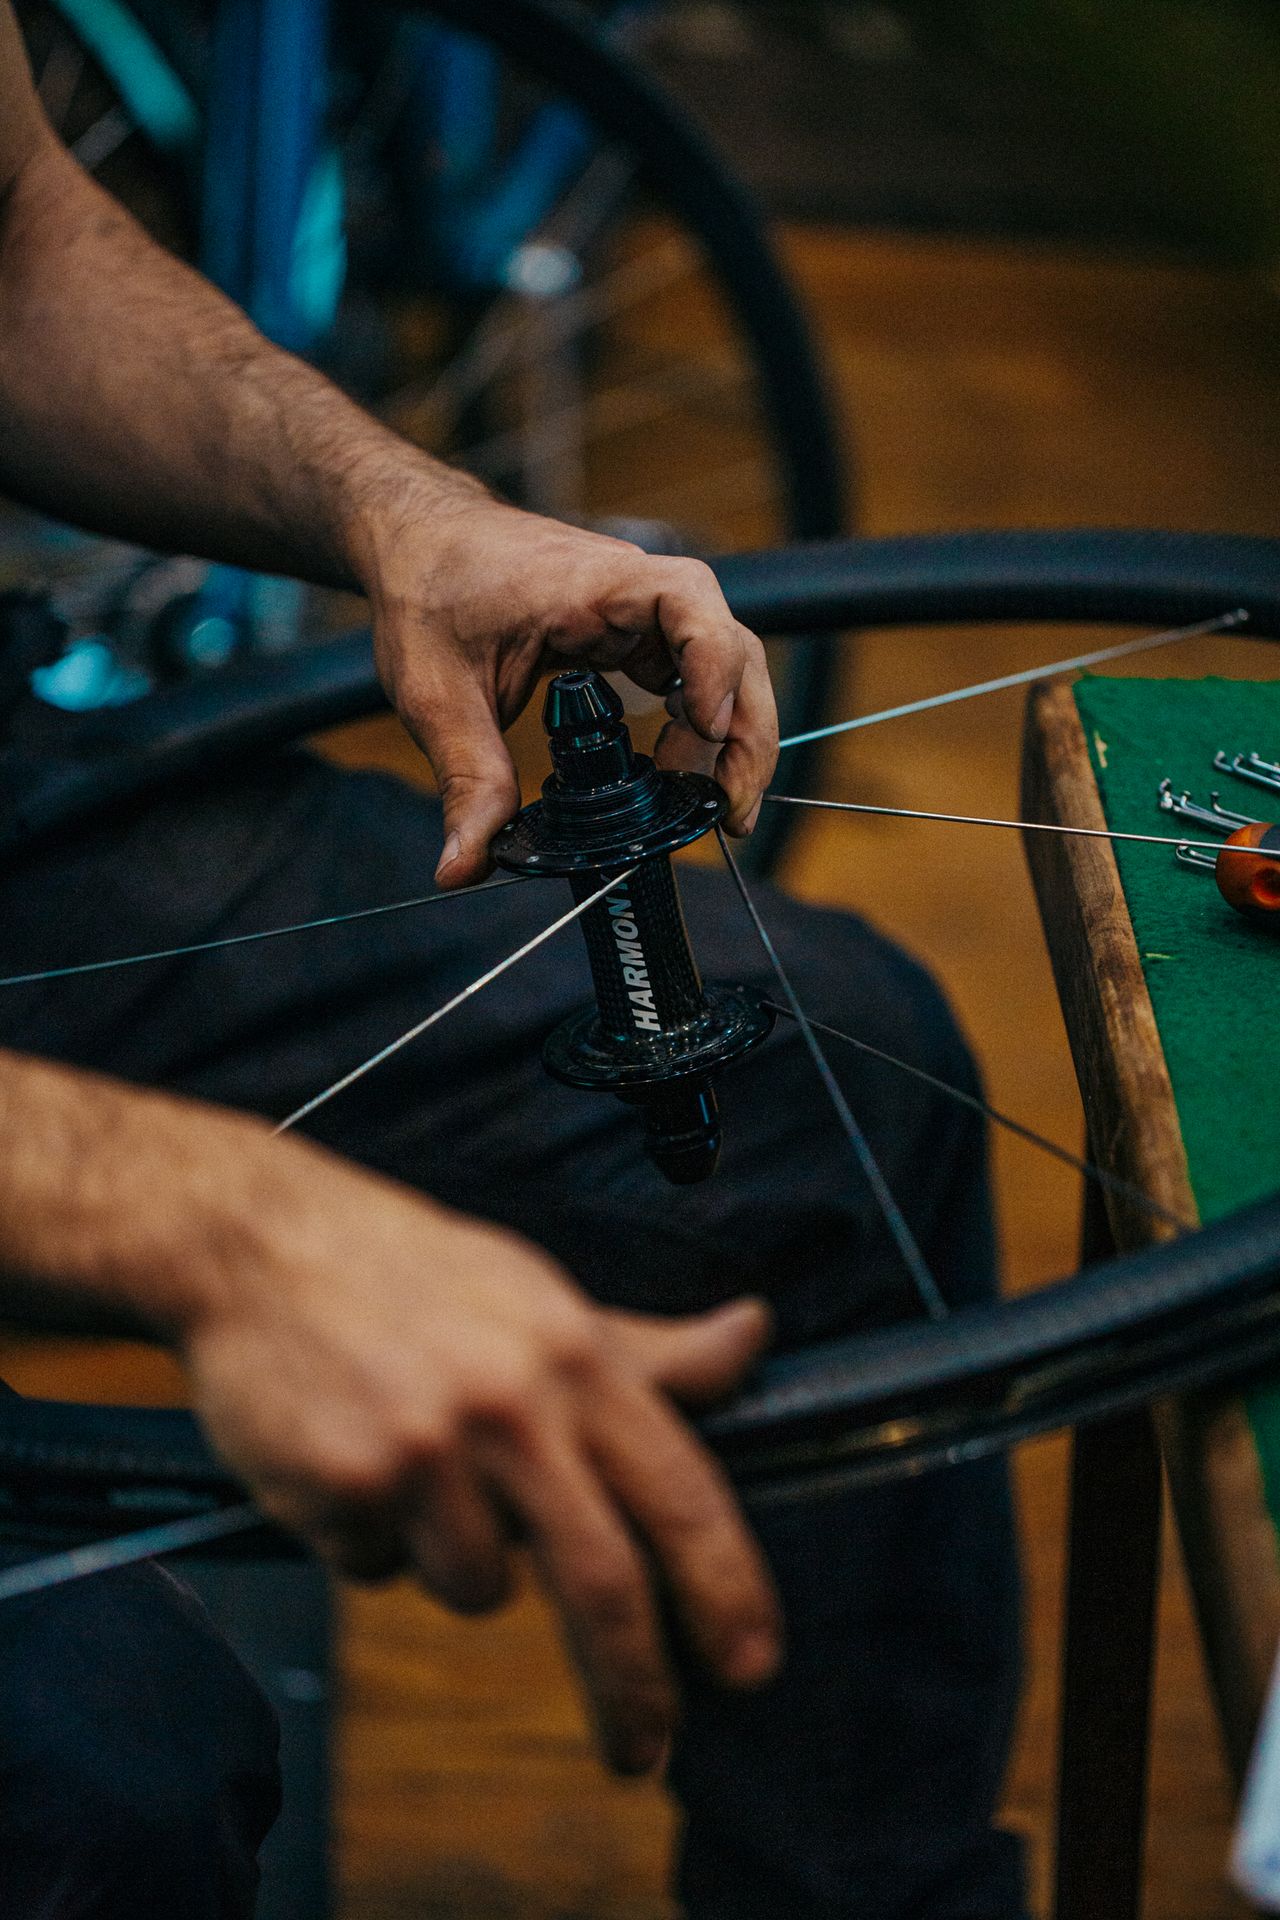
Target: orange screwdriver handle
pixel 1250 884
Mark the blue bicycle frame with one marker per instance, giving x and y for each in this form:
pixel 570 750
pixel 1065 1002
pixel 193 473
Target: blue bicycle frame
pixel 270 189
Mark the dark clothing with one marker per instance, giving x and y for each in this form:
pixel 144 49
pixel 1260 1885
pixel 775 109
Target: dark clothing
pixel 137 1758
pixel 860 1786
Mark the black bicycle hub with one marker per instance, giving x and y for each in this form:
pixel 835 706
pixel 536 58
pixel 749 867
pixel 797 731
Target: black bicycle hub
pixel 656 1033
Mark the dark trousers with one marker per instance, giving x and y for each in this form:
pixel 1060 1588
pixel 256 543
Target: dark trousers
pixel 860 1785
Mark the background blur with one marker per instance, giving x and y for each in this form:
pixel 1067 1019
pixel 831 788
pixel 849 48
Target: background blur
pixel 1038 242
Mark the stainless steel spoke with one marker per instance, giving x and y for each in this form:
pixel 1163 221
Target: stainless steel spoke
pixel 243 939
pixel 125 1550
pixel 484 980
pixel 589 203
pixel 494 342
pixel 1021 826
pixel 100 141
pixel 914 1261
pixel 617 409
pixel 1113 1181
pixel 1223 623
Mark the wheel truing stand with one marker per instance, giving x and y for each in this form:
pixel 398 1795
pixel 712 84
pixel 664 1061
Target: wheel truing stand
pixel 656 1033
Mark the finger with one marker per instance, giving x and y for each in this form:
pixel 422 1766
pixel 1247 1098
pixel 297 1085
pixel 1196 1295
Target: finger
pixel 359 1547
pixel 681 750
pixel 360 1536
pixel 451 717
pixel 602 1589
pixel 457 1540
pixel 681 600
pixel 651 664
pixel 677 1495
pixel 745 764
pixel 696 1359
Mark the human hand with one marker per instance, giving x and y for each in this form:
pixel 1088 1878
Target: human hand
pixel 409 1389
pixel 462 635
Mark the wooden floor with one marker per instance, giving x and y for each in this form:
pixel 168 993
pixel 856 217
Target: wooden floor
pixel 985 386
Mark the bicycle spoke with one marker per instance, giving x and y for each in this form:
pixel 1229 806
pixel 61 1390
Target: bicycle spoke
pixel 914 1261
pixel 1020 826
pixel 495 340
pixel 1114 1182
pixel 1223 623
pixel 590 203
pixel 484 980
pixel 618 409
pixel 100 141
pixel 243 939
pixel 125 1550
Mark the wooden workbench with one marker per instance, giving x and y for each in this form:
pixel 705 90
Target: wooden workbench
pixel 1214 1448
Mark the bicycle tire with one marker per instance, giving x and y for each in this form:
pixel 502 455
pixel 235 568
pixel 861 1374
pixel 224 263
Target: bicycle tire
pixel 1202 1309
pixel 1126 576
pixel 866 1409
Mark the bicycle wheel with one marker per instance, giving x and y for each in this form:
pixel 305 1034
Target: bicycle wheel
pixel 533 325
pixel 1203 1307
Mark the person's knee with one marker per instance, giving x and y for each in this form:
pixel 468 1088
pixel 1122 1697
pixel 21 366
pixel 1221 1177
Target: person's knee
pixel 138 1768
pixel 904 1052
pixel 851 976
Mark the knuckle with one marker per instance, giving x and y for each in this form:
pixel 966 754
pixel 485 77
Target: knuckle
pixel 696 575
pixel 358 1479
pixel 579 1346
pixel 422 1441
pixel 505 1395
pixel 459 783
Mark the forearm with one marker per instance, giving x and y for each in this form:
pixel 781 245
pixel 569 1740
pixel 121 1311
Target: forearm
pixel 124 1203
pixel 139 402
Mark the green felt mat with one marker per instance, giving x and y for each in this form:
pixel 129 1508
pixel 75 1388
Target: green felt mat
pixel 1212 976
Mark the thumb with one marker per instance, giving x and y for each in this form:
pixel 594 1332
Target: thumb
pixel 697 1359
pixel 459 733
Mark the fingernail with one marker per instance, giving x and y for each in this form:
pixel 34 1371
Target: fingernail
pixel 753 816
pixel 452 848
pixel 724 714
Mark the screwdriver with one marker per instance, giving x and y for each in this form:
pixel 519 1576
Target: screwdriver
pixel 1248 881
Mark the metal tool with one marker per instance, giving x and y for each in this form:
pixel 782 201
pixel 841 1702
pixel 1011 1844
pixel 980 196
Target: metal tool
pixel 656 1033
pixel 1246 882
pixel 1215 816
pixel 1189 856
pixel 1250 884
pixel 1251 767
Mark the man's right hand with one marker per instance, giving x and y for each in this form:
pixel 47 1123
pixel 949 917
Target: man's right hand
pixel 407 1388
